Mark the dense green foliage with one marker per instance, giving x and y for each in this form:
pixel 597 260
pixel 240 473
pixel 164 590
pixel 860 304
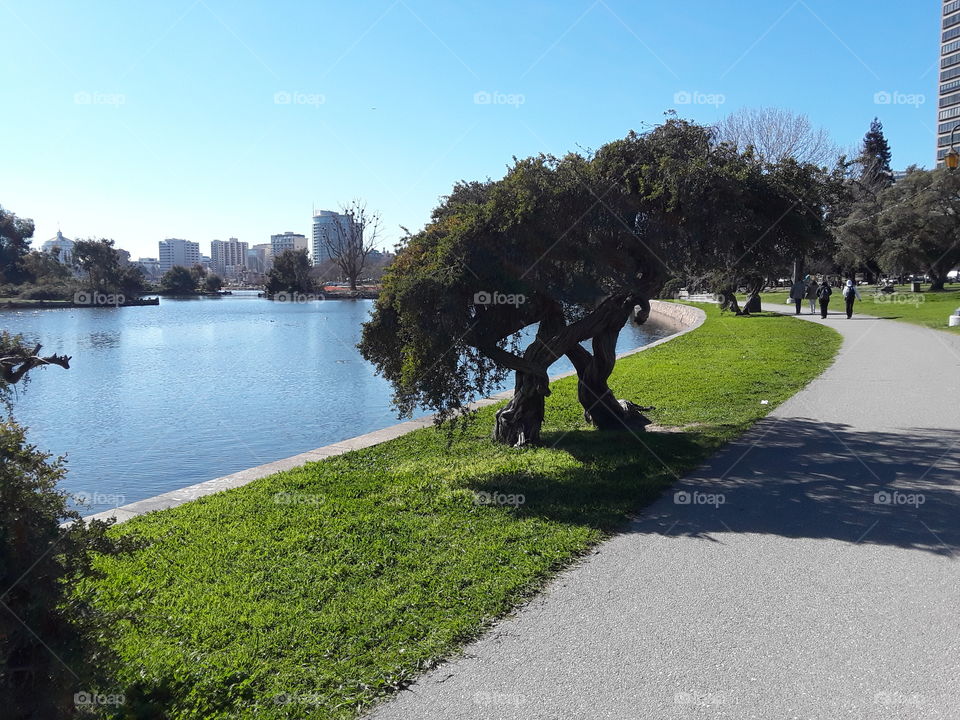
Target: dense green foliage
pixel 290 273
pixel 178 281
pixel 910 227
pixel 313 592
pixel 15 234
pixel 102 268
pixel 33 275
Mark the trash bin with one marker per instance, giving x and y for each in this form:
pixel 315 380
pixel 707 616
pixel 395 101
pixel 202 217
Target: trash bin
pixel 955 319
pixel 915 286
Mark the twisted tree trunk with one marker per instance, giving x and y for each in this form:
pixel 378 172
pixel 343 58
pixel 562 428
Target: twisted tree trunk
pixel 728 301
pixel 600 407
pixel 519 423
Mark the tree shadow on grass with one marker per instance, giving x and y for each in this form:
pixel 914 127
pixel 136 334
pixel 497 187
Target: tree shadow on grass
pixel 621 472
pixel 799 479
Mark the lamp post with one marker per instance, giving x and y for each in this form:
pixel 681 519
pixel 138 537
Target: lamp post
pixel 952 158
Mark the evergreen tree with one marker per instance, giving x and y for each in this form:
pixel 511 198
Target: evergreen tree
pixel 876 174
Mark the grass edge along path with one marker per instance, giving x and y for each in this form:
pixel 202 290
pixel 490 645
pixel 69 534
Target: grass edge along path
pixel 314 592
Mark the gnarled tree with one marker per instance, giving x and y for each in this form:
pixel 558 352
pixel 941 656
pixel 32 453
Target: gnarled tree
pixel 571 245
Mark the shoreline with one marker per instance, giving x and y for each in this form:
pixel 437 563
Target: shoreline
pixel 684 318
pixel 70 304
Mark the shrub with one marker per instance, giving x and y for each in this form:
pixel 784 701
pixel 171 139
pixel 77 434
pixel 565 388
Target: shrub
pixel 52 641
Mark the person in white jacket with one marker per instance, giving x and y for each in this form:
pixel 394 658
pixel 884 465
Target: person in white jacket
pixel 850 295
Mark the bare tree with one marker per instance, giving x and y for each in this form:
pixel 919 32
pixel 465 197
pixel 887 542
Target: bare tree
pixel 350 238
pixel 778 133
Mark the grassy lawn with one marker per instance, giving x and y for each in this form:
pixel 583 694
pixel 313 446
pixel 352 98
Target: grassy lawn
pixel 929 309
pixel 314 592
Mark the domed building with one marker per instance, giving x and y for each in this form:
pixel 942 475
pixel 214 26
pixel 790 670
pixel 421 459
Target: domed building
pixel 63 247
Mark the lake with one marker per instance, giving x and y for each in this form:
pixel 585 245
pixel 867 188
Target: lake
pixel 161 397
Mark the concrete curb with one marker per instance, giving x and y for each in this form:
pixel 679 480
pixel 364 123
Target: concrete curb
pixel 684 317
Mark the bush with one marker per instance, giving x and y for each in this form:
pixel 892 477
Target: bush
pixel 46 291
pixel 670 289
pixel 52 641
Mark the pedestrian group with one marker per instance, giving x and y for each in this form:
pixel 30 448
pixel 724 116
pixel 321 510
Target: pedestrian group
pixel 808 289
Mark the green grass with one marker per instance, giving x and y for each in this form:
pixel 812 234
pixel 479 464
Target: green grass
pixel 930 309
pixel 385 563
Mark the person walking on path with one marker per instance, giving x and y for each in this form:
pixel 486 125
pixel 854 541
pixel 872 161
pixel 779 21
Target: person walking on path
pixel 798 292
pixel 850 295
pixel 823 293
pixel 811 293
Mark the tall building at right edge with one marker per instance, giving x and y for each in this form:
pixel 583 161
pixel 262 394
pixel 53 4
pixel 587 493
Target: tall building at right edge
pixel 948 110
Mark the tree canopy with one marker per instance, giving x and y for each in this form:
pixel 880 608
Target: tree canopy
pixel 103 267
pixel 919 225
pixel 570 245
pixel 15 234
pixel 290 273
pixel 776 134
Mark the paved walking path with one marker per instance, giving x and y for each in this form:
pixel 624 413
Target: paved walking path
pixel 806 594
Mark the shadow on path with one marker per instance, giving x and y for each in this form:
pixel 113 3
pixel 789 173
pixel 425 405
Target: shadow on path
pixel 802 478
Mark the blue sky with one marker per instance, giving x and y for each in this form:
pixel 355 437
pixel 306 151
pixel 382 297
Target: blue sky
pixel 208 119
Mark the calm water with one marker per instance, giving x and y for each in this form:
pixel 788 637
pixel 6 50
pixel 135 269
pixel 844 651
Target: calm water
pixel 161 397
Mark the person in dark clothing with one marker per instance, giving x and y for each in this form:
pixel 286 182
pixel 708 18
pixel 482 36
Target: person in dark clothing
pixel 797 293
pixel 850 295
pixel 823 295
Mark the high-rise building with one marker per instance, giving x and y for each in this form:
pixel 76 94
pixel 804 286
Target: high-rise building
pixel 174 251
pixel 60 246
pixel 228 257
pixel 287 241
pixel 948 108
pixel 326 223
